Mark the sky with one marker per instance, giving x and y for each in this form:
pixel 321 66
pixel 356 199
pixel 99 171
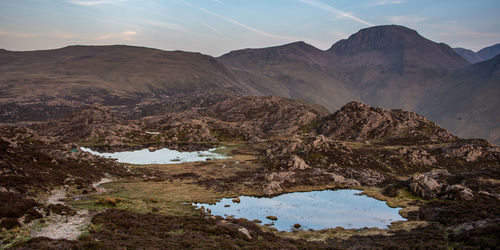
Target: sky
pixel 216 27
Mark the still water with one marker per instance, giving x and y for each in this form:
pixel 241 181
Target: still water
pixel 160 156
pixel 312 210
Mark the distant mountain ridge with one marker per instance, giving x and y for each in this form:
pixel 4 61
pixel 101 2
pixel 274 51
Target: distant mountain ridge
pixel 395 47
pixel 481 55
pixel 387 66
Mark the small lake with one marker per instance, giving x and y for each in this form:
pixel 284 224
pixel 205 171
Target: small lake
pixel 160 156
pixel 312 210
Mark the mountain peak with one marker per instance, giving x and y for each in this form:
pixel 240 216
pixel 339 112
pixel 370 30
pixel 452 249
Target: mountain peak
pixel 394 46
pixel 377 37
pixel 297 51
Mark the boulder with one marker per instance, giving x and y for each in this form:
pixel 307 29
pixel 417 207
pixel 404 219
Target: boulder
pixel 424 186
pixel 458 192
pixel 296 163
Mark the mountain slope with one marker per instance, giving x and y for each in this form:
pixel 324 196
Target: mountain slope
pixel 489 52
pixel 76 76
pixel 387 66
pixel 482 55
pixel 392 66
pixel 296 70
pixel 469 55
pixel 395 47
pixel 468 102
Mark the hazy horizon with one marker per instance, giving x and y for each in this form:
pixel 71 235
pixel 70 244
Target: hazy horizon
pixel 215 27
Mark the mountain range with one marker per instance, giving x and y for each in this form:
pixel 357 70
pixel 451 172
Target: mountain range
pixel 388 66
pixel 479 56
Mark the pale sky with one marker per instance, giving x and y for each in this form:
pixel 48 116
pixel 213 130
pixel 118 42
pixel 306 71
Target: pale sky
pixel 216 27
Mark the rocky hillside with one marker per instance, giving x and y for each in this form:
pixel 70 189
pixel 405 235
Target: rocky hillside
pixel 93 124
pixel 448 187
pixel 267 115
pixel 360 122
pixel 203 123
pixel 386 66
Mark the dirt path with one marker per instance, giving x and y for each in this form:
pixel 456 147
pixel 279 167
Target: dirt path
pixel 57 196
pixel 66 227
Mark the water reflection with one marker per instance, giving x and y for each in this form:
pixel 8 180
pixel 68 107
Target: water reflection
pixel 160 156
pixel 312 210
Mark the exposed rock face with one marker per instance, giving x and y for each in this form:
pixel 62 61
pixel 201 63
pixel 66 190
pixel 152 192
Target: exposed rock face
pixel 425 186
pixel 183 127
pixel 276 180
pixel 360 122
pixel 456 192
pixel 265 115
pixel 433 185
pixel 314 160
pixel 473 150
pixel 93 123
pixel 418 156
pixel 297 163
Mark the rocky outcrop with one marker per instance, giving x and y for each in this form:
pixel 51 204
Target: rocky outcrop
pixel 94 124
pixel 433 184
pixel 278 181
pixel 318 160
pixel 296 163
pixel 360 122
pixel 472 150
pixel 457 192
pixel 266 115
pixel 425 186
pixel 417 156
pixel 179 127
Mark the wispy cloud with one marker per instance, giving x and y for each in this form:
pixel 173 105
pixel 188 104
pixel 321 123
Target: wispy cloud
pixel 386 2
pixel 339 13
pixel 405 19
pixel 125 35
pixel 166 25
pixel 93 2
pixel 255 30
pixel 215 30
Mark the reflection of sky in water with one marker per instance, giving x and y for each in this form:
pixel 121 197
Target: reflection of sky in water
pixel 313 210
pixel 160 156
